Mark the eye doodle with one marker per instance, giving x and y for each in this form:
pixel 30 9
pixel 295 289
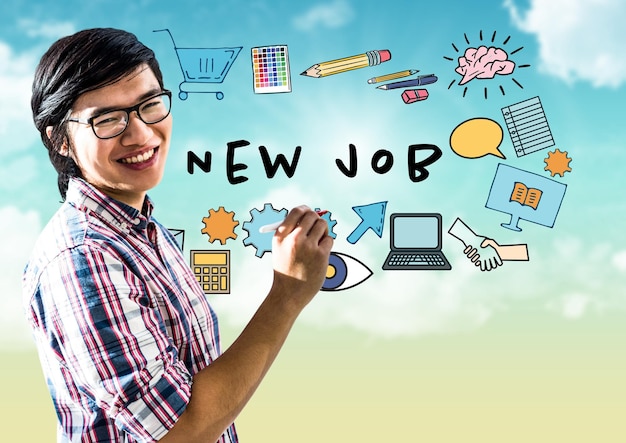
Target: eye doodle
pixel 344 272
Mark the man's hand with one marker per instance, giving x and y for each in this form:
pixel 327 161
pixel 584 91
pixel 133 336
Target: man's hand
pixel 300 253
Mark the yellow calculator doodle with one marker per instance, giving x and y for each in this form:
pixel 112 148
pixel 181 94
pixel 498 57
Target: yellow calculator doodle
pixel 212 270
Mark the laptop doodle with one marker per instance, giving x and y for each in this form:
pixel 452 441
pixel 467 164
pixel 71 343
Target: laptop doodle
pixel 415 242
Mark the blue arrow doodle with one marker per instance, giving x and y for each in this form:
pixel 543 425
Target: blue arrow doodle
pixel 372 217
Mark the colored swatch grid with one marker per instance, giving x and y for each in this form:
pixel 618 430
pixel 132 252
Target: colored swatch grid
pixel 270 65
pixel 212 270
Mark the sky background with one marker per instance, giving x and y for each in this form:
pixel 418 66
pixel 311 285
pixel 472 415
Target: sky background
pixel 403 353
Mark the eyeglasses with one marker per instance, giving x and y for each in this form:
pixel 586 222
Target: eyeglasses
pixel 112 123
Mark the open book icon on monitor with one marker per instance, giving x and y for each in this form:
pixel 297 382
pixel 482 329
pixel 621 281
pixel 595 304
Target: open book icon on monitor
pixel 415 242
pixel 525 196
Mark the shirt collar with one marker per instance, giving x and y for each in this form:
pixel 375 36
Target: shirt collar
pixel 87 198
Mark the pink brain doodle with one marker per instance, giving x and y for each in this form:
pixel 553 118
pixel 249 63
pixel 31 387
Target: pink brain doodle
pixel 483 63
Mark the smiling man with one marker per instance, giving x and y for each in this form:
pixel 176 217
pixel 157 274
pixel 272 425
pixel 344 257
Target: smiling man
pixel 129 344
pixel 120 161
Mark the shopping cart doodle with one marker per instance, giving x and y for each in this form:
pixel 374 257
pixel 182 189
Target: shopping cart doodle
pixel 202 67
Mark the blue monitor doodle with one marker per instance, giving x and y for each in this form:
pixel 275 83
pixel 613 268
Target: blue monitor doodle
pixel 526 196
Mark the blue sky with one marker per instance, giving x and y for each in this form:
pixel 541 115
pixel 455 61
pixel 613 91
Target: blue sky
pixel 574 50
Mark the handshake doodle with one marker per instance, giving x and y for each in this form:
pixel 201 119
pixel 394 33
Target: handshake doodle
pixel 486 252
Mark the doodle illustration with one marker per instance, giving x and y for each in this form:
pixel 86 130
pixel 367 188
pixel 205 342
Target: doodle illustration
pixel 486 252
pixel 414 95
pixel 476 138
pixel 409 95
pixel 557 162
pixel 528 126
pixel 372 217
pixel 420 80
pixel 370 58
pixel 484 62
pixel 344 272
pixel 270 69
pixel 179 236
pixel 327 215
pixel 516 252
pixel 212 270
pixel 262 241
pixel 415 243
pixel 392 76
pixel 220 225
pixel 203 67
pixel 525 195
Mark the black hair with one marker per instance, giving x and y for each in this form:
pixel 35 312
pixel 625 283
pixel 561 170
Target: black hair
pixel 73 65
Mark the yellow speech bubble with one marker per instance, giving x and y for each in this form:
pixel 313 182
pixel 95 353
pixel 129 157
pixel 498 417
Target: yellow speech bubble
pixel 476 138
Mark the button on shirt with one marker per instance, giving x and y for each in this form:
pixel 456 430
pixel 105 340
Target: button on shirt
pixel 119 320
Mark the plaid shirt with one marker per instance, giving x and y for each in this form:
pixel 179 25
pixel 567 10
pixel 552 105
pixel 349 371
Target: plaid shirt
pixel 120 322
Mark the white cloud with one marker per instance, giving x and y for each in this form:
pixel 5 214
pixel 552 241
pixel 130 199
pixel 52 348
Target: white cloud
pixel 571 306
pixel 568 278
pixel 387 305
pixel 407 303
pixel 18 172
pixel 578 39
pixel 619 261
pixel 327 15
pixel 16 76
pixel 20 230
pixel 586 282
pixel 48 30
pixel 17 130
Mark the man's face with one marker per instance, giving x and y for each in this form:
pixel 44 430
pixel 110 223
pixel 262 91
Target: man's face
pixel 126 166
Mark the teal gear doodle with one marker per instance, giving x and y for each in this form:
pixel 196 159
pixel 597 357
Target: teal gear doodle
pixel 262 241
pixel 331 223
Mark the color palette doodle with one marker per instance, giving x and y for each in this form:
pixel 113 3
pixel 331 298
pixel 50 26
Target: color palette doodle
pixel 270 66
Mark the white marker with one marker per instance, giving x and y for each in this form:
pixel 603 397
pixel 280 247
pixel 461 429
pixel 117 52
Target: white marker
pixel 274 226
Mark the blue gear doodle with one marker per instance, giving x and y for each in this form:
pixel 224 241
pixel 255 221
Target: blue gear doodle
pixel 331 223
pixel 262 241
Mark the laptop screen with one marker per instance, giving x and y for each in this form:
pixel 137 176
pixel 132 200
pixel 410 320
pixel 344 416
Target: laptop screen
pixel 415 231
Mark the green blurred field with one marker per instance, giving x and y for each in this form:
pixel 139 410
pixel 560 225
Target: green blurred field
pixel 26 413
pixel 516 380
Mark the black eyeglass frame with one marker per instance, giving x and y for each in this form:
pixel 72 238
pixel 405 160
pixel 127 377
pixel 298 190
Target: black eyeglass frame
pixel 128 111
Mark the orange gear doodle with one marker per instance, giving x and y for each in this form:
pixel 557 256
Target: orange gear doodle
pixel 220 225
pixel 557 162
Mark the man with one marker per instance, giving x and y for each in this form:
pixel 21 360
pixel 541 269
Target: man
pixel 128 343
